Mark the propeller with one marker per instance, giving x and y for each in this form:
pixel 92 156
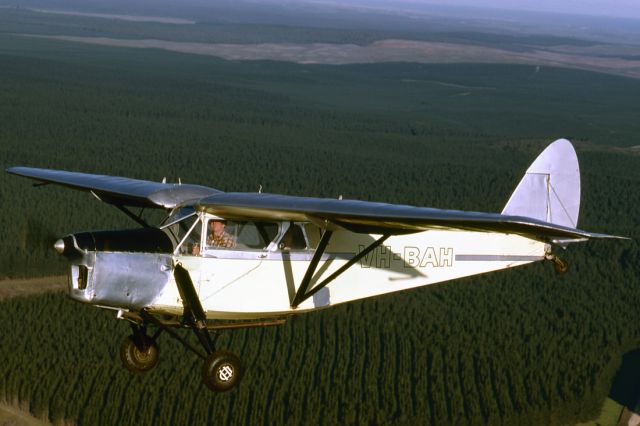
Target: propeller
pixel 38 236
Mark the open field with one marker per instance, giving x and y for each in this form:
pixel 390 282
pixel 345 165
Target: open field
pixel 610 415
pixel 133 18
pixel 340 35
pixel 379 51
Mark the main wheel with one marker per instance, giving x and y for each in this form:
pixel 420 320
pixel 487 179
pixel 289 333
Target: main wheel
pixel 139 359
pixel 221 371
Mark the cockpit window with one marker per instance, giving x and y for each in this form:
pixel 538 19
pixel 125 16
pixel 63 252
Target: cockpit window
pixel 186 234
pixel 178 215
pixel 240 235
pixel 221 234
pixel 293 239
pixel 268 231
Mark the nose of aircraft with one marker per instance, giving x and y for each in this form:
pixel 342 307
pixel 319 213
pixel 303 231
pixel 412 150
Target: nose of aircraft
pixel 59 246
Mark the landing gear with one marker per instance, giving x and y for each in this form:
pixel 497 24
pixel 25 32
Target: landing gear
pixel 561 267
pixel 221 371
pixel 139 353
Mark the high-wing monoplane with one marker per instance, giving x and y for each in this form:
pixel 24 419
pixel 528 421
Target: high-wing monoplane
pixel 223 260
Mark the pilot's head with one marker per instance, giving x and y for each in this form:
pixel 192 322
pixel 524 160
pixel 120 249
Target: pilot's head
pixel 217 226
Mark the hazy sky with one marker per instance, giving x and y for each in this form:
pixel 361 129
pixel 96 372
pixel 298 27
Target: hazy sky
pixel 621 8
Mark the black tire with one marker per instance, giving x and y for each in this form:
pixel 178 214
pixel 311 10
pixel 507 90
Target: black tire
pixel 134 358
pixel 221 371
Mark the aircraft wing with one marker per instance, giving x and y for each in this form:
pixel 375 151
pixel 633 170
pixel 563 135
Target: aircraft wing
pixel 120 190
pixel 381 218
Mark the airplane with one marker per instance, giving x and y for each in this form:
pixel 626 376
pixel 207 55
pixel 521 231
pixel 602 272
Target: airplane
pixel 225 260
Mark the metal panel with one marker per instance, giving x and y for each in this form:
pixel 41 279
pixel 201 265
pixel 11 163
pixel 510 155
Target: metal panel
pixel 129 280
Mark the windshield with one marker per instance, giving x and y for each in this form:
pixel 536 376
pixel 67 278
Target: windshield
pixel 186 236
pixel 178 215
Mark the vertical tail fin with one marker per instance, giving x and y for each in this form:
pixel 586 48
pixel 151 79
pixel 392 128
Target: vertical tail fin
pixel 550 190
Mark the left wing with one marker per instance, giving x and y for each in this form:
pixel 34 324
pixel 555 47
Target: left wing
pixel 120 190
pixel 381 218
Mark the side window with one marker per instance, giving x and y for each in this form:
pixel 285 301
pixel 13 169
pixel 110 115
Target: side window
pixel 221 234
pixel 314 233
pixel 268 232
pixel 239 235
pixel 293 239
pixel 248 236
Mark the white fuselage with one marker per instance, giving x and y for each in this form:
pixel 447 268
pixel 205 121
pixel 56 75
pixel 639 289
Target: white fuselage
pixel 239 284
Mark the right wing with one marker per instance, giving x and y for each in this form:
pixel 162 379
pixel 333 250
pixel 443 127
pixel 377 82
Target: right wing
pixel 382 218
pixel 120 190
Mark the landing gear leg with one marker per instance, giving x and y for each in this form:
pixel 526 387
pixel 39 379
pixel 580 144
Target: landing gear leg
pixel 222 369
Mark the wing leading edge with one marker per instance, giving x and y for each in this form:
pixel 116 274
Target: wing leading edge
pixel 382 218
pixel 120 190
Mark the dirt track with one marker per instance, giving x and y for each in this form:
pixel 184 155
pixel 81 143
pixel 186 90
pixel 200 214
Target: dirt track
pixel 23 287
pixel 12 416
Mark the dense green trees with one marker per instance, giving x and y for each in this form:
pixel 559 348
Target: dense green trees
pixel 494 350
pixel 519 347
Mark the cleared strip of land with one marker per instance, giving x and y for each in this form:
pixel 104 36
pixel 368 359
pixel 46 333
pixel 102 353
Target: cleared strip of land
pixel 132 18
pixel 24 287
pixel 12 416
pixel 379 51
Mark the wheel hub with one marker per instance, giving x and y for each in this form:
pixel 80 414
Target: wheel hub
pixel 225 372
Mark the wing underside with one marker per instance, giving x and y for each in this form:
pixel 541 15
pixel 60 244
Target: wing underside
pixel 120 190
pixel 381 218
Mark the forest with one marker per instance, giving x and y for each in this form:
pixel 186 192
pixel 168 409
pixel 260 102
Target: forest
pixel 520 347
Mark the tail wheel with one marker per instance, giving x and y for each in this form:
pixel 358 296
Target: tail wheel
pixel 221 371
pixel 560 265
pixel 140 356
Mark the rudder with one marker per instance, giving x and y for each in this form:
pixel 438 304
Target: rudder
pixel 550 189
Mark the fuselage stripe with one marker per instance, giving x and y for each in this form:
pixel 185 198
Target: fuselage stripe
pixel 495 258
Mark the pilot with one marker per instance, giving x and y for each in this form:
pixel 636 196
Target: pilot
pixel 218 237
pixel 195 249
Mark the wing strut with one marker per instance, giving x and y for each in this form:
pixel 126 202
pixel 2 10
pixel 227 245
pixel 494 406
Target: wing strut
pixel 303 293
pixel 193 313
pixel 138 219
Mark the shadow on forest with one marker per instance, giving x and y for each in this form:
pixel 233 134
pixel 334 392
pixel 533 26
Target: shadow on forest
pixel 625 389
